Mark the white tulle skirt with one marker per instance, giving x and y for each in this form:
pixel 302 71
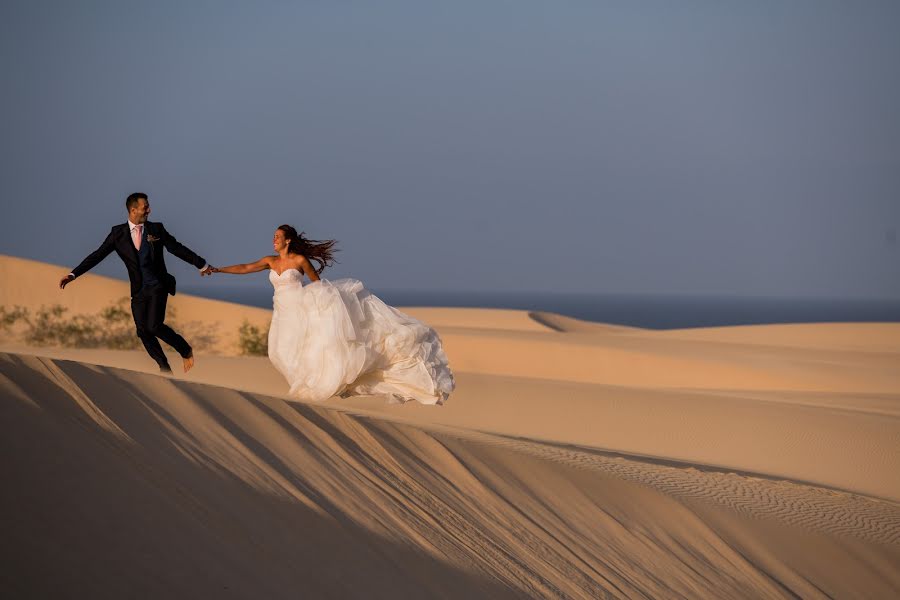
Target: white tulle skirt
pixel 337 338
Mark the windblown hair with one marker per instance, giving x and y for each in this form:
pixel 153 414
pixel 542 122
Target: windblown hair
pixel 133 200
pixel 320 251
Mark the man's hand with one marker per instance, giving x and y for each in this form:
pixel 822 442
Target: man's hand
pixel 65 280
pixel 209 270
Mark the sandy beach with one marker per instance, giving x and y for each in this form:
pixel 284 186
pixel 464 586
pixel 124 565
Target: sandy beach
pixel 574 460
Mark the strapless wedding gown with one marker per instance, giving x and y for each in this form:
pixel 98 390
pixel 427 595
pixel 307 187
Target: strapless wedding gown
pixel 332 338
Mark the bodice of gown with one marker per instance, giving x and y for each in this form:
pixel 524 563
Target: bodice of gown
pixel 290 279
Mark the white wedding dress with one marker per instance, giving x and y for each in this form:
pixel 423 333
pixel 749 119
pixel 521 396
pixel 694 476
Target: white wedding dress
pixel 337 338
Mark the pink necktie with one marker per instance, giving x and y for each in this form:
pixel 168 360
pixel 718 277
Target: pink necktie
pixel 136 236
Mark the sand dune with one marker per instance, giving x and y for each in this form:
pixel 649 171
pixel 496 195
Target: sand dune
pixel 127 482
pixel 864 337
pixel 836 440
pixel 574 460
pixel 32 284
pixel 565 324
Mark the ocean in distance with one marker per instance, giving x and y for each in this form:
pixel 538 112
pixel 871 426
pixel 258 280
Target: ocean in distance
pixel 648 311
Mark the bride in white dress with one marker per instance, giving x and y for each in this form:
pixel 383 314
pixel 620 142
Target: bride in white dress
pixel 332 338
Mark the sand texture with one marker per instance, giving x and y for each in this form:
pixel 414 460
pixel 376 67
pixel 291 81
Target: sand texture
pixel 575 460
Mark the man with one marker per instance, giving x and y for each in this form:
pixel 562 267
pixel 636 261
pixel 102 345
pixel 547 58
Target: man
pixel 139 243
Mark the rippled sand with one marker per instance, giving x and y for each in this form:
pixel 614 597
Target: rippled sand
pixel 574 460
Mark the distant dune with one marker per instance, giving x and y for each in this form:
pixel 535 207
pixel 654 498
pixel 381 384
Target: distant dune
pixel 575 459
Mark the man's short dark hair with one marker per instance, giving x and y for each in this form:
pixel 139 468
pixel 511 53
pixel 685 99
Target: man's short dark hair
pixel 134 199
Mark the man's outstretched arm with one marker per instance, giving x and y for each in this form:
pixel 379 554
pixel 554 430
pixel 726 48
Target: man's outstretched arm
pixel 91 261
pixel 182 251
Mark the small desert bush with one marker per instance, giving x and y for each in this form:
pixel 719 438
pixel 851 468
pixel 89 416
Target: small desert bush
pixel 252 340
pixel 10 316
pixel 112 327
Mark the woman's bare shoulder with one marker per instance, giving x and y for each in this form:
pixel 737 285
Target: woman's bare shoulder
pixel 266 261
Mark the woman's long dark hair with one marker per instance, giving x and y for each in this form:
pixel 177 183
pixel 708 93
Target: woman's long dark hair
pixel 320 251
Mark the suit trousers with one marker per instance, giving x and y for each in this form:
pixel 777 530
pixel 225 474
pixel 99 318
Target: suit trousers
pixel 148 308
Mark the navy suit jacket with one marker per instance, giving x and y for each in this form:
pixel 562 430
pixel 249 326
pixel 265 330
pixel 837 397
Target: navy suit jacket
pixel 119 239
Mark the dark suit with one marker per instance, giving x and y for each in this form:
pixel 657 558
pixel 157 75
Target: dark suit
pixel 151 283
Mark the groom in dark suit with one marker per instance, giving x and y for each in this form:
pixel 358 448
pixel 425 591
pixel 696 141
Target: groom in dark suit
pixel 139 243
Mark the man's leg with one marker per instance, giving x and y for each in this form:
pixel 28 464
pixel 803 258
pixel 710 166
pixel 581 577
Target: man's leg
pixel 156 316
pixel 140 310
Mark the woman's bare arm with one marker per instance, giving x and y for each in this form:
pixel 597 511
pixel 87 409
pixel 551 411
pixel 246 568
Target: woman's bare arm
pixel 261 265
pixel 308 269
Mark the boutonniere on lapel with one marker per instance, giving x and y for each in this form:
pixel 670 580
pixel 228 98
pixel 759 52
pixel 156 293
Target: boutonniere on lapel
pixel 152 238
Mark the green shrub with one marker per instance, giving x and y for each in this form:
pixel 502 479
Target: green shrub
pixel 113 327
pixel 253 341
pixel 10 316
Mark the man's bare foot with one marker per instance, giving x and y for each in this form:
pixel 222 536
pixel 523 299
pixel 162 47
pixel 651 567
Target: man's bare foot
pixel 188 363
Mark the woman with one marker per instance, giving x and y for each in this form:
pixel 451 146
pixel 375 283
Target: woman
pixel 336 338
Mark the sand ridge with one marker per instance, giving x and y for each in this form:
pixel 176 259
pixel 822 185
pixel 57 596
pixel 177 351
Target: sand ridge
pixel 486 515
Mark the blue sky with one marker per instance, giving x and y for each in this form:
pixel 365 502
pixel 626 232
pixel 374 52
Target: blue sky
pixel 607 147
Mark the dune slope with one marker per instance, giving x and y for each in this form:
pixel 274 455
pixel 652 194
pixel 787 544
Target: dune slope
pixel 123 483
